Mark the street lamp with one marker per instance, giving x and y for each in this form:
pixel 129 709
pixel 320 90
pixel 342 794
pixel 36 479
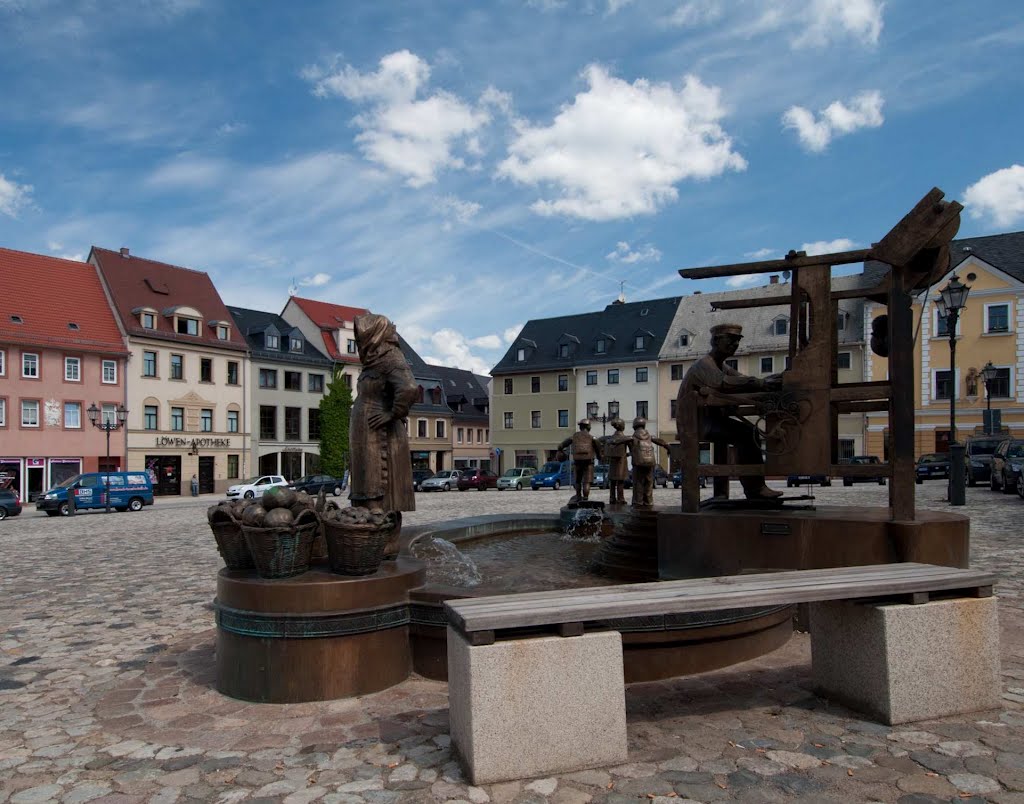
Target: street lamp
pixel 952 299
pixel 105 424
pixel 989 374
pixel 604 418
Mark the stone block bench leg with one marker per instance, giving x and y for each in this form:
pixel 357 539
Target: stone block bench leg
pixel 902 663
pixel 533 707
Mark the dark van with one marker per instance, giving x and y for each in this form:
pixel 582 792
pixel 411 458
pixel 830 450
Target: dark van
pixel 129 491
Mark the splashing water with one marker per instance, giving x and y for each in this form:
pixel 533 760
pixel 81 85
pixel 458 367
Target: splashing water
pixel 584 527
pixel 446 564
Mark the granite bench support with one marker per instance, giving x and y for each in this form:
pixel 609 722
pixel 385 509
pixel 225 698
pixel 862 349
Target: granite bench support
pixel 536 684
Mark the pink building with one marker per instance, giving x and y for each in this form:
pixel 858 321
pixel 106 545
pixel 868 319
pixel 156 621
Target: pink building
pixel 60 351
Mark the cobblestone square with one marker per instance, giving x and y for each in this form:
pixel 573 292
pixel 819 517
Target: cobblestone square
pixel 106 691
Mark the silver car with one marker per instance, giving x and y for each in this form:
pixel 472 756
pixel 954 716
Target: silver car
pixel 444 480
pixel 515 478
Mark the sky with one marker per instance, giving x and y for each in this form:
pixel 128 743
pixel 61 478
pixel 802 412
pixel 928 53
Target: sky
pixel 465 167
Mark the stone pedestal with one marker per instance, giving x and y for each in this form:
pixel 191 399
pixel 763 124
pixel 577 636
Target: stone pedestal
pixel 901 663
pixel 533 707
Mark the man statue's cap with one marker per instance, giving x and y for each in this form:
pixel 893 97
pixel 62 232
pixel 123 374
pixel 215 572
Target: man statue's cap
pixel 727 329
pixel 584 421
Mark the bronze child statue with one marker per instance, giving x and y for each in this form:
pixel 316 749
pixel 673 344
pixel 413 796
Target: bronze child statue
pixel 641 449
pixel 615 447
pixel 584 449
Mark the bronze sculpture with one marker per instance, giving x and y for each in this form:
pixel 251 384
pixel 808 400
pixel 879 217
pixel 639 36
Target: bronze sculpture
pixel 720 424
pixel 381 470
pixel 584 449
pixel 641 450
pixel 615 447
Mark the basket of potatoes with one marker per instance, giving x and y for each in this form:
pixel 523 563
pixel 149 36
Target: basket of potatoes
pixel 225 522
pixel 280 532
pixel 356 538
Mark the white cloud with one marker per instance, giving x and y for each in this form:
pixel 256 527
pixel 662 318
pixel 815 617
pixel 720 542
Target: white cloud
pixel 227 129
pixel 455 210
pixel 744 280
pixel 998 196
pixel 619 149
pixel 58 250
pixel 486 342
pixel 694 13
pixel 13 196
pixel 761 253
pixel 449 347
pixel 623 253
pixel 315 281
pixel 511 333
pixel 413 137
pixel 828 246
pixel 826 21
pixel 187 171
pixel 835 120
pixel 614 6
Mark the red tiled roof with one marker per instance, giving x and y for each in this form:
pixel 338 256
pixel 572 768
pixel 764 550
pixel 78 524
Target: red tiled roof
pixel 49 293
pixel 330 317
pixel 135 282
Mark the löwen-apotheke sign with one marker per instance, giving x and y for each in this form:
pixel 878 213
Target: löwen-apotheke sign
pixel 172 441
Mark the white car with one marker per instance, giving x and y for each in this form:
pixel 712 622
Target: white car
pixel 444 480
pixel 515 478
pixel 255 486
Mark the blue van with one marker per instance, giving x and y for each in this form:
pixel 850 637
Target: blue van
pixel 552 475
pixel 129 491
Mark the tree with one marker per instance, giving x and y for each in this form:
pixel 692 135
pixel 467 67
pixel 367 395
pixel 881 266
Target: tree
pixel 335 414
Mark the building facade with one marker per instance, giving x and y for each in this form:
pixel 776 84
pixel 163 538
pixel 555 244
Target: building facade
pixel 331 328
pixel 189 411
pixel 288 378
pixel 56 361
pixel 467 399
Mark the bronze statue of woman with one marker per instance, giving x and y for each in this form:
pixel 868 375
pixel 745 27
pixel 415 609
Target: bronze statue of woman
pixel 381 467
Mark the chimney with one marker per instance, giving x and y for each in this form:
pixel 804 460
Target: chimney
pixel 696 293
pixel 773 279
pixel 124 252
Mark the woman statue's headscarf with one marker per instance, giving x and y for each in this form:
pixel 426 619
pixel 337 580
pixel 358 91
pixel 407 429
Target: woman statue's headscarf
pixel 375 334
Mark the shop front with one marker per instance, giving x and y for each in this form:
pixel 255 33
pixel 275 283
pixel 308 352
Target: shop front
pixel 420 459
pixel 31 476
pixel 171 461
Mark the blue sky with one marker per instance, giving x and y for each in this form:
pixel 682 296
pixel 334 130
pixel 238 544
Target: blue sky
pixel 463 167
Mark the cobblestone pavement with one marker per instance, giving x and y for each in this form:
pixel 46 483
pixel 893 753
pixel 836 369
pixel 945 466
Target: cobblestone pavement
pixel 106 671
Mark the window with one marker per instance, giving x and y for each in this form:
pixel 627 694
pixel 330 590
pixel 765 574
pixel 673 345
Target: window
pixel 508 421
pixel 563 350
pixel 268 378
pixel 534 385
pixel 639 342
pixel 150 417
pixel 316 383
pixel 469 435
pixel 268 422
pixel 421 428
pixel 73 369
pixel 108 413
pixel 844 360
pixel 205 369
pixel 347 379
pixel 232 467
pixel 232 421
pixel 613 376
pixel 676 371
pixel 613 408
pixel 439 428
pixel 591 410
pixel 563 418
pixel 292 424
pixel 148 321
pixel 293 381
pixel 684 338
pixel 563 382
pixel 72 415
pixel 295 344
pixel 508 385
pixel 313 423
pixel 999 387
pixel 223 333
pixel 178 419
pixel 206 420
pixel 177 367
pixel 351 347
pixel 3 412
pixel 188 326
pixel 591 378
pixel 600 346
pixel 232 372
pixel 942 325
pixel 997 317
pixel 149 364
pixel 29 365
pixel 487 435
pixel 641 408
pixel 781 326
pixel 30 413
pixel 943 385
pixel 109 372
pixel 520 355
pixel 767 365
pixel 459 435
pixel 535 419
pixel 733 363
pixel 641 374
pixel 841 321
pixel 673 407
pixel 3 362
pixel 846 448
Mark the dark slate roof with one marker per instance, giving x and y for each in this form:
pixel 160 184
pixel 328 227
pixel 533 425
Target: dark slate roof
pixel 466 388
pixel 253 323
pixel 618 324
pixel 425 375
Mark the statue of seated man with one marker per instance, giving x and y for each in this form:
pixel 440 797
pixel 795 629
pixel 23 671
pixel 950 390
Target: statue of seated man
pixel 719 423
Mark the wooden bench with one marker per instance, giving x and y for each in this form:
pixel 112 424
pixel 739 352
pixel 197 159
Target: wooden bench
pixel 536 683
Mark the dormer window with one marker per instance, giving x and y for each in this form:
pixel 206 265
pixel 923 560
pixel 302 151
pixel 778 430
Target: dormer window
pixel 600 346
pixel 187 326
pixel 780 326
pixel 223 333
pixel 684 338
pixel 351 348
pixel 563 350
pixel 295 344
pixel 520 355
pixel 272 341
pixel 639 343
pixel 73 326
pixel 17 319
pixel 148 320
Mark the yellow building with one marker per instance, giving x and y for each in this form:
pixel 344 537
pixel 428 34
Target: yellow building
pixel 991 328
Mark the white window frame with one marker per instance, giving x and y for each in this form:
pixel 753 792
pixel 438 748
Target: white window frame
pixel 3 363
pixel 771 364
pixel 440 429
pixel 156 417
pixel 848 354
pixel 639 343
pixel 935 383
pixel 425 428
pixel 459 434
pixel 646 373
pixel 223 333
pixel 562 418
pixel 77 407
pixel 108 413
pixel 3 412
pixel 508 419
pixel 112 365
pixel 935 324
pixel 1009 318
pixel 775 326
pixel 295 344
pixel 1011 383
pixel 26 375
pixel 199 326
pixel 147 315
pixel 182 419
pixel 535 420
pixel 25 402
pixel 600 346
pixel 520 355
pixel 234 428
pixel 156 363
pixel 203 419
pixel 77 363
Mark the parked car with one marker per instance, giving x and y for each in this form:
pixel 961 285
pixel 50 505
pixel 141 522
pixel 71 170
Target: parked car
pixel 661 478
pixel 255 486
pixel 978 450
pixel 515 478
pixel 808 480
pixel 600 478
pixel 1006 465
pixel 442 481
pixel 312 484
pixel 864 459
pixel 479 479
pixel 677 479
pixel 10 503
pixel 932 465
pixel 129 491
pixel 552 475
pixel 418 476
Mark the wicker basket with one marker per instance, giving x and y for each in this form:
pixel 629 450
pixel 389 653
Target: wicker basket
pixel 281 552
pixel 356 549
pixel 231 543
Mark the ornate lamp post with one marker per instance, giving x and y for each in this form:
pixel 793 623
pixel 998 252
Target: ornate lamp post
pixel 115 423
pixel 952 299
pixel 989 374
pixel 604 418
